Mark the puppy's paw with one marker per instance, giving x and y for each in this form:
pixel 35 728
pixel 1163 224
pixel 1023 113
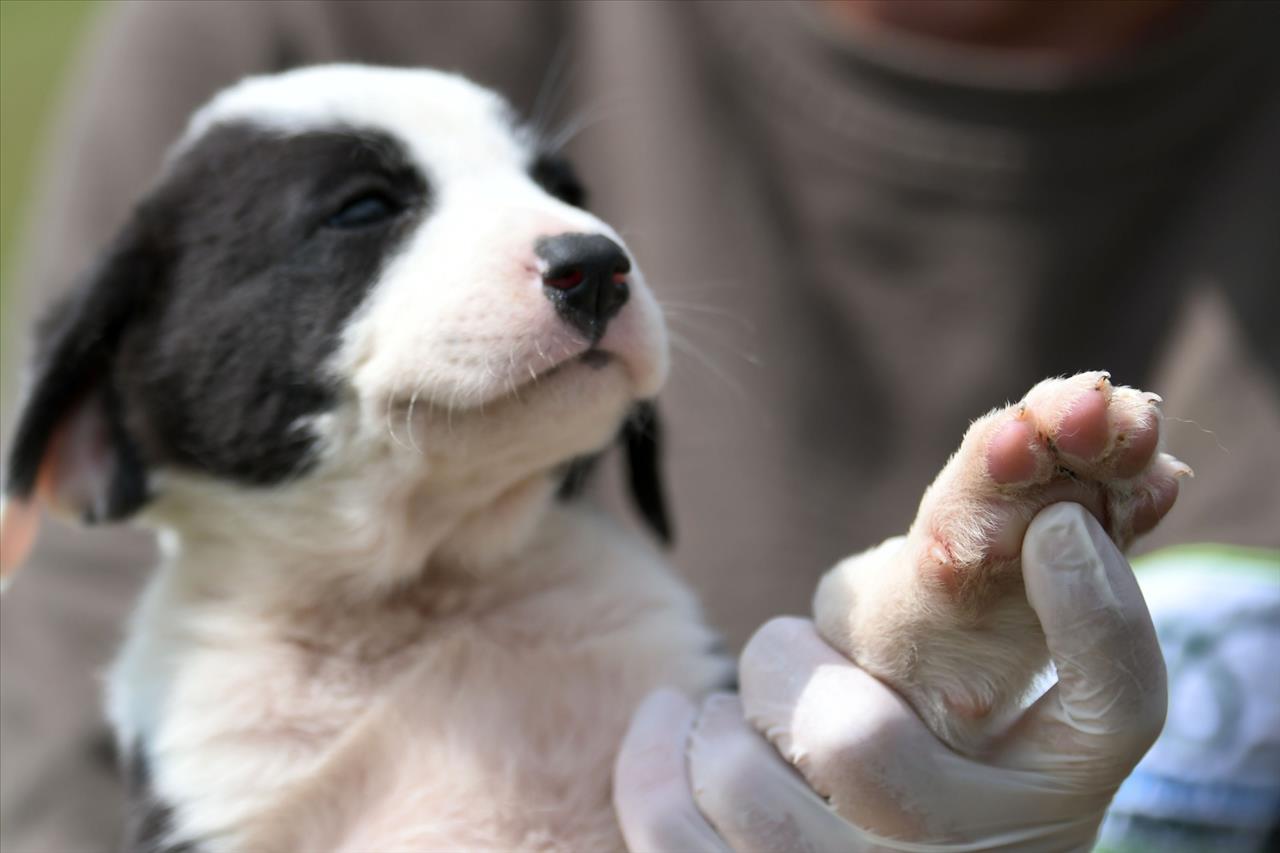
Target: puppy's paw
pixel 941 614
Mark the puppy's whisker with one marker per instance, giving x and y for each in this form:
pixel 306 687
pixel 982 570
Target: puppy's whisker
pixel 711 328
pixel 413 401
pixel 586 118
pixel 452 404
pixel 555 82
pixel 707 333
pixel 390 428
pixel 512 390
pixel 681 344
pixel 678 309
pixel 408 424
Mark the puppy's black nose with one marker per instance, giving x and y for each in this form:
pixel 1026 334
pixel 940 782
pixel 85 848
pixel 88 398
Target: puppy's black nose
pixel 586 279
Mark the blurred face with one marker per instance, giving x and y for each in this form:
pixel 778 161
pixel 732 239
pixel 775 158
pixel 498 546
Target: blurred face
pixel 1072 28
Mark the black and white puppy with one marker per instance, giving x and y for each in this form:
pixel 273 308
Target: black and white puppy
pixel 343 357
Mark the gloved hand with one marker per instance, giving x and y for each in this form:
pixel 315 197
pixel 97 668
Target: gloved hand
pixel 853 768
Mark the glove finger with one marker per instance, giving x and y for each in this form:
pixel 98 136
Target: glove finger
pixel 755 800
pixel 856 741
pixel 651 792
pixel 1109 703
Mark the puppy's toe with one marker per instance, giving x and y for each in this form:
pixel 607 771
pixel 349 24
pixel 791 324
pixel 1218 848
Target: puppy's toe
pixel 945 619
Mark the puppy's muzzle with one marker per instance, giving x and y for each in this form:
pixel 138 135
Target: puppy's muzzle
pixel 586 280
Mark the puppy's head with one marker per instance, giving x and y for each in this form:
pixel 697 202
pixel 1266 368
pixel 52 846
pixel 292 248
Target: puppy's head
pixel 344 274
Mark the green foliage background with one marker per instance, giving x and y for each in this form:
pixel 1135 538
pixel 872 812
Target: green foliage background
pixel 38 41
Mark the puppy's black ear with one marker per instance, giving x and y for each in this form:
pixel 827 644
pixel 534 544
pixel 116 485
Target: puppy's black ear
pixel 642 440
pixel 70 451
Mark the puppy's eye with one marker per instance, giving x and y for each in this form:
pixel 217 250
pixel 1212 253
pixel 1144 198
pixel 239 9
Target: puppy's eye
pixel 364 210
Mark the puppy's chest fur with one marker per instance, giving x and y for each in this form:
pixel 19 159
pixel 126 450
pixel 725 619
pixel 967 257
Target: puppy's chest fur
pixel 465 710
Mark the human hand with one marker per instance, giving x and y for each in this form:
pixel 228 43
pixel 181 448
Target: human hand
pixel 853 767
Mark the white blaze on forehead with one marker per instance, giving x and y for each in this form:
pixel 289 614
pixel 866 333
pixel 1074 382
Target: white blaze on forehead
pixel 442 119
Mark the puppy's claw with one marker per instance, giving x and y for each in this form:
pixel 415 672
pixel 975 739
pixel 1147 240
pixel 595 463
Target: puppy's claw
pixel 1177 467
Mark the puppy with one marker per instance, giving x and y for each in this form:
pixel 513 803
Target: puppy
pixel 343 357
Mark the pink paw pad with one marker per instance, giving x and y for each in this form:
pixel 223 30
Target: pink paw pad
pixel 1012 453
pixel 1084 431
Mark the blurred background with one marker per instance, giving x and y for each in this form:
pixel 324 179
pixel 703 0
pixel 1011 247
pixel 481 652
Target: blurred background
pixel 38 41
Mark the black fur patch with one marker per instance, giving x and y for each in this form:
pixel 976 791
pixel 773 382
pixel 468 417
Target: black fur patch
pixel 75 347
pixel 149 821
pixel 205 332
pixel 575 476
pixel 554 174
pixel 642 441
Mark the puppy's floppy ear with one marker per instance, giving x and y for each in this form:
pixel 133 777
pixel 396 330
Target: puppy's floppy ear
pixel 642 440
pixel 70 451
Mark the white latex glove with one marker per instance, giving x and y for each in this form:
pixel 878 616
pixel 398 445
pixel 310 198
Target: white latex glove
pixel 862 772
